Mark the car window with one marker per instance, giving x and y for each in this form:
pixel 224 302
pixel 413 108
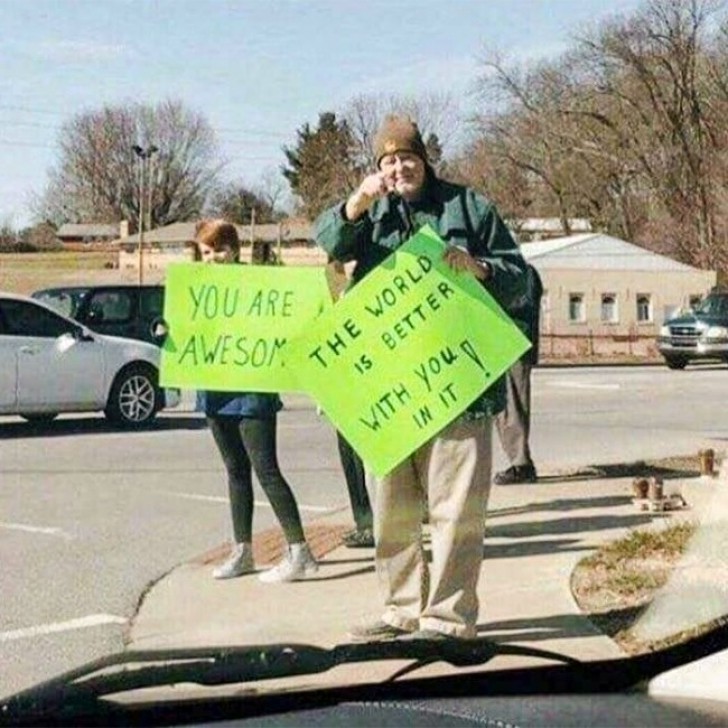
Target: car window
pixel 111 306
pixel 26 319
pixel 713 306
pixel 152 302
pixel 66 302
pixel 213 457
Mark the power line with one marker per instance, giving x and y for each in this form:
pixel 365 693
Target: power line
pixel 223 129
pixel 30 110
pixel 29 123
pixel 253 132
pixel 25 144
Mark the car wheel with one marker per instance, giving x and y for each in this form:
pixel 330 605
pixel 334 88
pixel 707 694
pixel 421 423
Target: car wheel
pixel 676 363
pixel 41 418
pixel 135 398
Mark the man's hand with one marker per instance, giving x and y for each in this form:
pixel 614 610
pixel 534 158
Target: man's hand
pixel 460 260
pixel 373 186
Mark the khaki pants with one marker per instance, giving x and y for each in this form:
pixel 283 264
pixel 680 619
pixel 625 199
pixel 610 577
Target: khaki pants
pixel 451 473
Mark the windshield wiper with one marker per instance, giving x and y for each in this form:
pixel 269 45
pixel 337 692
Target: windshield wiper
pixel 134 670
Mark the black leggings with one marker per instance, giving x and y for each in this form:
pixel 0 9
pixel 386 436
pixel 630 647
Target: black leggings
pixel 245 444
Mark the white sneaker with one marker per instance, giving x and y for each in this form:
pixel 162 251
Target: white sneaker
pixel 238 563
pixel 298 563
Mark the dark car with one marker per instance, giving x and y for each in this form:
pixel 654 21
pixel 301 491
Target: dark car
pixel 116 310
pixel 701 334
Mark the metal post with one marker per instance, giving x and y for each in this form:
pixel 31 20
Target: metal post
pixel 141 221
pixel 144 165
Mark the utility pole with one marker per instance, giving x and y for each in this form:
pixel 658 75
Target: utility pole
pixel 145 156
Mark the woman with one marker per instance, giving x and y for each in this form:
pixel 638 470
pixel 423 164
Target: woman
pixel 243 425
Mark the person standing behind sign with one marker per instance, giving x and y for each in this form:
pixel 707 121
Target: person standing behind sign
pixel 452 471
pixel 243 425
pixel 514 422
pixel 354 471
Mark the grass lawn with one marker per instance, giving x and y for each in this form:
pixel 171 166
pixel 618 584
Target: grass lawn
pixel 615 585
pixel 27 272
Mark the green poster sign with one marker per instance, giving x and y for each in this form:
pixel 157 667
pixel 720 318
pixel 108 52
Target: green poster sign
pixel 229 324
pixel 405 352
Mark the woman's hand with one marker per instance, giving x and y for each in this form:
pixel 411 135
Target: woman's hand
pixel 460 260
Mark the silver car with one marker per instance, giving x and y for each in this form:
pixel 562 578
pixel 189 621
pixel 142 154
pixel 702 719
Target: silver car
pixel 50 364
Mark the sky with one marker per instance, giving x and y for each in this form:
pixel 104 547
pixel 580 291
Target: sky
pixel 257 69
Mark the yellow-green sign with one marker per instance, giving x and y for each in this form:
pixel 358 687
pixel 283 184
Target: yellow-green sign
pixel 405 352
pixel 229 324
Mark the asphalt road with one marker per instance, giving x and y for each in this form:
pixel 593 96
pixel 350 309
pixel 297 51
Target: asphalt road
pixel 590 416
pixel 90 516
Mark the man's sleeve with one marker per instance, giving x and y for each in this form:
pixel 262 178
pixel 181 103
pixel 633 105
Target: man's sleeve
pixel 496 247
pixel 341 239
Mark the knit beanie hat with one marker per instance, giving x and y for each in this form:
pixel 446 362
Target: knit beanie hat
pixel 398 134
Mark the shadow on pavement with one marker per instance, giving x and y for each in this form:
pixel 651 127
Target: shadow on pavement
pixel 558 626
pixel 340 575
pixel 636 469
pixel 94 426
pixel 561 504
pixel 532 548
pixel 574 524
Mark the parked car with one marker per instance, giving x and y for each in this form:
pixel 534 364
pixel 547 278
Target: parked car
pixel 701 334
pixel 50 364
pixel 118 310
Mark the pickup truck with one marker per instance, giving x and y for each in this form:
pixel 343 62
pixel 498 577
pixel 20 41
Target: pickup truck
pixel 701 335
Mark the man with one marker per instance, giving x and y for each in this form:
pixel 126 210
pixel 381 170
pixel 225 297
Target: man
pixel 514 423
pixel 451 472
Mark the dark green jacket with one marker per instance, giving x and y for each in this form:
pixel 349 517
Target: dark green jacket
pixel 459 215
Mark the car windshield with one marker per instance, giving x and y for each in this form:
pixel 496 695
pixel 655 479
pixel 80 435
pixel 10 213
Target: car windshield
pixel 713 306
pixel 375 347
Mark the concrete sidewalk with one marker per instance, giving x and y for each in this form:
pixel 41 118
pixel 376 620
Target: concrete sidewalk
pixel 535 536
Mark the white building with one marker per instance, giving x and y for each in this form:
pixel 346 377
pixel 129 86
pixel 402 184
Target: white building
pixel 609 293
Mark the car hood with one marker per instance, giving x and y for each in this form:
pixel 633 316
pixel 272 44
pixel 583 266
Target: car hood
pixel 691 320
pixel 141 349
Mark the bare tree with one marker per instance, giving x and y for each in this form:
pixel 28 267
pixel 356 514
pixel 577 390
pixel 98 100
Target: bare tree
pixel 628 128
pixel 40 237
pixel 97 177
pixel 508 185
pixel 236 203
pixel 663 98
pixel 8 237
pixel 523 127
pixel 271 188
pixel 436 114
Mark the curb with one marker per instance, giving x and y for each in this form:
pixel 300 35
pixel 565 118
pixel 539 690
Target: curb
pixel 269 545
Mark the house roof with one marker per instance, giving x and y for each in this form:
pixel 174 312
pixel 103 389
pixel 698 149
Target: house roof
pixel 597 251
pixel 550 225
pixel 88 230
pixel 184 232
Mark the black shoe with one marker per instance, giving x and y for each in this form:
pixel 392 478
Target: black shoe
pixel 359 539
pixel 516 474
